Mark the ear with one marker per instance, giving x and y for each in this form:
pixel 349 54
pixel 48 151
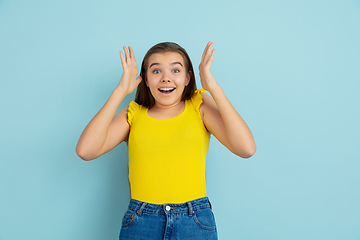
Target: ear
pixel 187 79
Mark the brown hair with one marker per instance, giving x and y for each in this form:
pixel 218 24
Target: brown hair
pixel 143 94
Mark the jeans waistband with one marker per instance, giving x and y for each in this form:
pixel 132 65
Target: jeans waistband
pixel 166 208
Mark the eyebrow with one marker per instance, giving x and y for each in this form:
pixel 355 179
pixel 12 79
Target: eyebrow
pixel 174 63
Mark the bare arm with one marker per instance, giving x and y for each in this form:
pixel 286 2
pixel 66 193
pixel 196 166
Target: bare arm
pixel 219 116
pixel 104 131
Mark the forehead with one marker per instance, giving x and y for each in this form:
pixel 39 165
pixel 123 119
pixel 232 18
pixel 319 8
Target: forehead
pixel 166 58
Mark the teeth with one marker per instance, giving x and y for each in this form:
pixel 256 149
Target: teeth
pixel 166 89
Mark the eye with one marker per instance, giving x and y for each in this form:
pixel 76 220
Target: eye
pixel 156 71
pixel 176 70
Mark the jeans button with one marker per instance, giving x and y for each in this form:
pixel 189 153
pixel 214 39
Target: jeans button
pixel 167 208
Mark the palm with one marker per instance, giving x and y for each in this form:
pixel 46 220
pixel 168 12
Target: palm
pixel 206 77
pixel 129 82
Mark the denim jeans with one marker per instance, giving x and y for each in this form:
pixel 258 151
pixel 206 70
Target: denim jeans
pixel 189 220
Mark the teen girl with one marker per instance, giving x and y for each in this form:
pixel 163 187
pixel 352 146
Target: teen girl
pixel 167 129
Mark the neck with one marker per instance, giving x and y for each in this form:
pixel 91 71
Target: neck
pixel 166 111
pixel 158 106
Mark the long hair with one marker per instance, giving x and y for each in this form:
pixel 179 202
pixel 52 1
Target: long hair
pixel 143 94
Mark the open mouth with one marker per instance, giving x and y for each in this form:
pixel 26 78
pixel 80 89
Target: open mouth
pixel 166 90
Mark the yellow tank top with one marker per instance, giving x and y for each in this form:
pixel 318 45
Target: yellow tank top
pixel 167 156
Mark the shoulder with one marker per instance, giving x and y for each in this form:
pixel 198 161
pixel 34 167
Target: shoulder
pixel 203 103
pixel 122 114
pixel 132 110
pixel 208 104
pixel 197 100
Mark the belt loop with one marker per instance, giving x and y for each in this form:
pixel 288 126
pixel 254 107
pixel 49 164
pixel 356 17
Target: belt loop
pixel 139 212
pixel 191 211
pixel 209 204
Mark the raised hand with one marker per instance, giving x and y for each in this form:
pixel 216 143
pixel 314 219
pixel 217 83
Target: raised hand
pixel 208 81
pixel 129 81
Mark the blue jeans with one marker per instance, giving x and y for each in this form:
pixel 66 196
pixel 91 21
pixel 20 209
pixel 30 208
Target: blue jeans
pixel 190 220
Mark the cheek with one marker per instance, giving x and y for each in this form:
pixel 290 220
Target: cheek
pixel 180 80
pixel 151 80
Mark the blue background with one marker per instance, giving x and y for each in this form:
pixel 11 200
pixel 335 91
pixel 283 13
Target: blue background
pixel 290 68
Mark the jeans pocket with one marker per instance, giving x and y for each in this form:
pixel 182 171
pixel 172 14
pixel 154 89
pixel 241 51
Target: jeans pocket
pixel 204 218
pixel 129 218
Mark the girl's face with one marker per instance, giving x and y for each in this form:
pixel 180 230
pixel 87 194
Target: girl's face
pixel 166 78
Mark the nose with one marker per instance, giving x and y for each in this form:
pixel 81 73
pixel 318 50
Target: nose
pixel 165 77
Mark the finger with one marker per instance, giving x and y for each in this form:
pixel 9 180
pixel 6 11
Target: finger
pixel 212 57
pixel 208 53
pixel 203 56
pixel 132 56
pixel 126 53
pixel 122 58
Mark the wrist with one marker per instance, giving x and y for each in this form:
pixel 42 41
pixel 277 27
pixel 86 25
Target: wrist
pixel 214 89
pixel 118 91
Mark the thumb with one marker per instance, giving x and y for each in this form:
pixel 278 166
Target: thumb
pixel 139 79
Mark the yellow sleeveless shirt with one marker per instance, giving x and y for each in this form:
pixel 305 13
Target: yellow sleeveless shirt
pixel 167 156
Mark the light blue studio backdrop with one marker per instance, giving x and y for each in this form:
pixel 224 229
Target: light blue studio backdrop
pixel 291 69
